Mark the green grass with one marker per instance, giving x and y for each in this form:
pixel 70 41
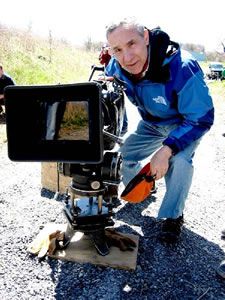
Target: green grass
pixel 218 87
pixel 32 60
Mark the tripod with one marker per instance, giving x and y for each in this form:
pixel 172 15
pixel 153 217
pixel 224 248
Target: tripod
pixel 89 206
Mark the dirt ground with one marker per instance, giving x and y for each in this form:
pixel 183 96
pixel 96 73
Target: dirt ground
pixel 186 272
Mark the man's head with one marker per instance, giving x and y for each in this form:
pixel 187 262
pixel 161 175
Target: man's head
pixel 128 41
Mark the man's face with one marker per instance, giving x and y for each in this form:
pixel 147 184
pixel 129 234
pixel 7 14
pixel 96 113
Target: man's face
pixel 129 48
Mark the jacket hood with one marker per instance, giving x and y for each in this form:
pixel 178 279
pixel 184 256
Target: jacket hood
pixel 160 48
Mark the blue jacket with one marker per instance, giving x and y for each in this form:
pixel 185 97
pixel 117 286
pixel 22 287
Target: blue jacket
pixel 184 99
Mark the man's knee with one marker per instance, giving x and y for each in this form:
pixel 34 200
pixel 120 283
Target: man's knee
pixel 181 161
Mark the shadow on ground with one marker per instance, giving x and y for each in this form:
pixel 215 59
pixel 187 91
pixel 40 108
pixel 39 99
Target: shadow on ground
pixel 183 271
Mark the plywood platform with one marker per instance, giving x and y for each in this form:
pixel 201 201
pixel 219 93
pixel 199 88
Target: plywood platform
pixel 49 178
pixel 82 250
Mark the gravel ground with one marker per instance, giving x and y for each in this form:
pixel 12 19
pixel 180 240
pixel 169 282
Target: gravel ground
pixel 184 271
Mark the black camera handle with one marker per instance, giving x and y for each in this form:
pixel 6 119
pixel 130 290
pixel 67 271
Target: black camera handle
pixel 114 137
pixel 95 68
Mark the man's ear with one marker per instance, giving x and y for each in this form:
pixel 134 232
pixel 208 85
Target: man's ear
pixel 146 36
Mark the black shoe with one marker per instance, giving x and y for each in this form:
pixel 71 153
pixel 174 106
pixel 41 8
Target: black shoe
pixel 221 269
pixel 171 230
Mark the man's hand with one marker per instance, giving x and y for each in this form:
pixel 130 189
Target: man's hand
pixel 105 78
pixel 160 162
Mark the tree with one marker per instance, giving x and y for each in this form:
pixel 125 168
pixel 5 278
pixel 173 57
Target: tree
pixel 193 47
pixel 50 40
pixel 223 46
pixel 88 44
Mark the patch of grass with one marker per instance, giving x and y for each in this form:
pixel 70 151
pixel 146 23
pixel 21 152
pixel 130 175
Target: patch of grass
pixel 218 87
pixel 32 60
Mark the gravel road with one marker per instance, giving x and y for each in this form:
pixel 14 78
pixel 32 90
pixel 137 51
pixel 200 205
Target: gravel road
pixel 184 271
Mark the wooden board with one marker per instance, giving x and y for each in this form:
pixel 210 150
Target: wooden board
pixel 82 250
pixel 49 178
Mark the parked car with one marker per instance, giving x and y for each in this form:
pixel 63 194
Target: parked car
pixel 223 75
pixel 215 71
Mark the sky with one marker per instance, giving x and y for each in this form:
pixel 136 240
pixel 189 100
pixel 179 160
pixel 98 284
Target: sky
pixel 191 21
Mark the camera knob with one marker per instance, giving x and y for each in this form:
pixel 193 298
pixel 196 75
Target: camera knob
pixel 95 185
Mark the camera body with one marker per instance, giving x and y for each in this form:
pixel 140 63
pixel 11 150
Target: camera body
pixel 54 123
pixel 64 123
pixel 76 125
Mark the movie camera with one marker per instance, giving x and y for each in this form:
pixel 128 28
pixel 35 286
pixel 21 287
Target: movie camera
pixel 78 126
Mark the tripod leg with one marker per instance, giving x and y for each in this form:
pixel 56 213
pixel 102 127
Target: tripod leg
pixel 100 199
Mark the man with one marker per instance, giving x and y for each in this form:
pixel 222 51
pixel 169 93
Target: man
pixel 176 109
pixel 5 80
pixel 104 56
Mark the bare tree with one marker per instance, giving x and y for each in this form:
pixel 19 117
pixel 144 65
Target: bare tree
pixel 223 46
pixel 50 40
pixel 88 44
pixel 193 47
